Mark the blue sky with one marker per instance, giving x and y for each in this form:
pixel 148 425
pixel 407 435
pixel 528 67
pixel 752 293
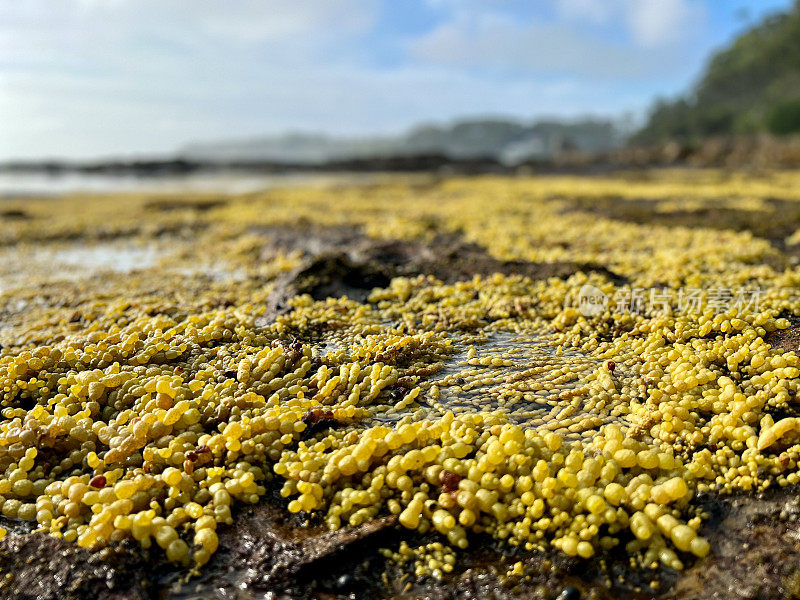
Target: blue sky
pixel 90 78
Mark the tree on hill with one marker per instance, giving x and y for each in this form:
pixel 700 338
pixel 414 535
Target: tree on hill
pixel 751 86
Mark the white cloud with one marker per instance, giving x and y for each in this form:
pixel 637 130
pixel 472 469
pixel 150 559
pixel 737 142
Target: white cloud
pixel 650 23
pixel 82 77
pixel 496 40
pixel 40 31
pixel 282 19
pixel 96 77
pixel 659 22
pixel 596 11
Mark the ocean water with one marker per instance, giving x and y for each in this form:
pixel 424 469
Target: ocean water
pixel 15 185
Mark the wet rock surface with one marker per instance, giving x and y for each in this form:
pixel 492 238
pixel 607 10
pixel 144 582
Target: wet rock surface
pixel 37 566
pixel 755 544
pixel 268 551
pixel 755 541
pixel 786 339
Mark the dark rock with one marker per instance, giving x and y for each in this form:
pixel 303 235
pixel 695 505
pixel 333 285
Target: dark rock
pixel 342 261
pixel 37 566
pixel 174 204
pixel 13 214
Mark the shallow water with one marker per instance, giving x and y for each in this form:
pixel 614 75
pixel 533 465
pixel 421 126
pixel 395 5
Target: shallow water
pixel 23 266
pixel 467 386
pixel 105 257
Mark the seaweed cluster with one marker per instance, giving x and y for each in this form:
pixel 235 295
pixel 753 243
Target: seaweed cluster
pixel 149 404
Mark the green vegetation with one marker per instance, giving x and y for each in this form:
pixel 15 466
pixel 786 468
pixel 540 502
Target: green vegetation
pixel 784 118
pixel 752 86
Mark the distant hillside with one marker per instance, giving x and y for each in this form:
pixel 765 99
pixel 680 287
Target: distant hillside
pixel 510 142
pixel 752 86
